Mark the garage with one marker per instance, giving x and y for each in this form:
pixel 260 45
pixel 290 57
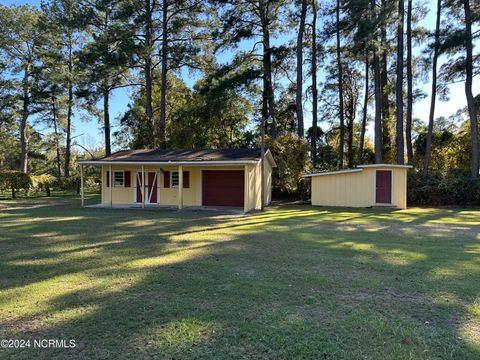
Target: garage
pixel 223 188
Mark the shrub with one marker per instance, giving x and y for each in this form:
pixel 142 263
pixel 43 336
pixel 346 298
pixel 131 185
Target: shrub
pixel 453 188
pixel 14 180
pixel 69 183
pixel 43 182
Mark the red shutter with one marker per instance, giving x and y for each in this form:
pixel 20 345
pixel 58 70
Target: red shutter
pixel 166 179
pixel 107 181
pixel 186 179
pixel 127 179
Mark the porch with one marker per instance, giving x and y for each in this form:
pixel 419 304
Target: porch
pixel 213 209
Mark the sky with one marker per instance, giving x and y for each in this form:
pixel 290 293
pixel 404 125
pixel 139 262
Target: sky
pixel 90 134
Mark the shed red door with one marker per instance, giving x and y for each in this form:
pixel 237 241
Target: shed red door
pixel 383 187
pixel 223 187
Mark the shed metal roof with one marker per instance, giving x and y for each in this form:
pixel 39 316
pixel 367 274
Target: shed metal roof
pixel 358 169
pixel 333 172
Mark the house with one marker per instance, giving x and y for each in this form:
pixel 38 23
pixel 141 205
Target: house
pixel 364 186
pixel 185 178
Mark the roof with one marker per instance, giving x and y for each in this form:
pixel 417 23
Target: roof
pixel 183 157
pixel 333 172
pixel 358 169
pixel 386 165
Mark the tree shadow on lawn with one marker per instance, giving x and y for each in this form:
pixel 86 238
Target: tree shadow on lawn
pixel 265 286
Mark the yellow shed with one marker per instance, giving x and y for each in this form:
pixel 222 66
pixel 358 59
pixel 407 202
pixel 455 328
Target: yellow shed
pixel 364 186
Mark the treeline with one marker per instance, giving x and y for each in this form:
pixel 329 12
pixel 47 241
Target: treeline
pixel 335 82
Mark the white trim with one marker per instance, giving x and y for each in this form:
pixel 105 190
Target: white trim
pixel 386 165
pixel 333 172
pixel 270 158
pixel 189 163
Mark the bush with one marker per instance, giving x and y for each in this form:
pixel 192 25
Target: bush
pixel 43 182
pixel 453 188
pixel 291 155
pixel 69 183
pixel 14 180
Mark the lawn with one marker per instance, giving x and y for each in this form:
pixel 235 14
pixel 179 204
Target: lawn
pixel 293 282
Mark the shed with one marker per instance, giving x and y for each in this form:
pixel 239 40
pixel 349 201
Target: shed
pixel 363 186
pixel 185 178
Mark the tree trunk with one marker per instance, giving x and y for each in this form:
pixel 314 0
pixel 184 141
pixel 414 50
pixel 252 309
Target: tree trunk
pixel 163 78
pixel 106 119
pixel 24 121
pixel 365 112
pixel 269 97
pixel 148 73
pixel 378 109
pixel 299 89
pixel 340 90
pixel 431 117
pixel 57 142
pixel 68 129
pixel 386 128
pixel 350 128
pixel 472 111
pixel 314 85
pixel 399 86
pixel 408 123
pixel 378 95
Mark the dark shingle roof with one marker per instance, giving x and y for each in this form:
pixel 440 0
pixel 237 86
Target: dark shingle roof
pixel 158 155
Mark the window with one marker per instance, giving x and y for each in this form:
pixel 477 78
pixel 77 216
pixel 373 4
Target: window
pixel 118 179
pixel 174 179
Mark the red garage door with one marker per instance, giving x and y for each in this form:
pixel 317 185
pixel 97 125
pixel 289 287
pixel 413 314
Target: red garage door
pixel 223 187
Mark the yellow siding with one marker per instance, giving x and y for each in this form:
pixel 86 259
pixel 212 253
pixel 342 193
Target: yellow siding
pixel 357 189
pixel 192 196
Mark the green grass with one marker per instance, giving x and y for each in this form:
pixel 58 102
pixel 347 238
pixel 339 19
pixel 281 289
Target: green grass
pixel 293 282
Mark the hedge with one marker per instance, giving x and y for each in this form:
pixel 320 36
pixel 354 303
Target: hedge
pixel 453 188
pixel 14 180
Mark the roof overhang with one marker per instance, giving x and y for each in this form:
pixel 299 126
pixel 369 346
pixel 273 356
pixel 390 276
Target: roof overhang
pixel 333 172
pixel 166 163
pixel 270 158
pixel 386 165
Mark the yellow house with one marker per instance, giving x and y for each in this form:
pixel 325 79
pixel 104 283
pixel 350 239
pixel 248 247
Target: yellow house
pixel 182 178
pixel 364 186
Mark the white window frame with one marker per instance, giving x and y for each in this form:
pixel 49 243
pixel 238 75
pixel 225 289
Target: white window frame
pixel 115 181
pixel 171 179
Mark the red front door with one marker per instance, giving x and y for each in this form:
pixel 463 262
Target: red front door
pixel 151 187
pixel 383 187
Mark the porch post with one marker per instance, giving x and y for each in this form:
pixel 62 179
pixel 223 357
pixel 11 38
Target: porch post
pixel 246 196
pixel 180 187
pixel 81 185
pixel 111 184
pixel 143 187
